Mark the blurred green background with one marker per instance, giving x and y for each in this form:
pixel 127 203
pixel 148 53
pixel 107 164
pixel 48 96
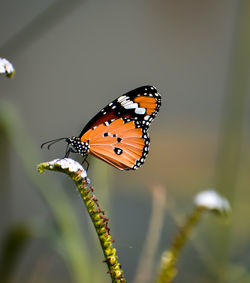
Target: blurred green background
pixel 74 57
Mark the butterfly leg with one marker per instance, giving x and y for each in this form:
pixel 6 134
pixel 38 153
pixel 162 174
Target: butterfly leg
pixel 87 165
pixel 68 151
pixel 85 161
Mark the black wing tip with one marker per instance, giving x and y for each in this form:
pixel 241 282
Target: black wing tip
pixel 143 89
pixel 146 87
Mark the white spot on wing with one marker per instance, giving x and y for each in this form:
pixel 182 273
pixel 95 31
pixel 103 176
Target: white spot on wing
pixel 126 102
pixel 140 111
pixel 132 105
pixel 123 97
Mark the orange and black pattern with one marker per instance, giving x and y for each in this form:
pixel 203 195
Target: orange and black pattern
pixel 118 133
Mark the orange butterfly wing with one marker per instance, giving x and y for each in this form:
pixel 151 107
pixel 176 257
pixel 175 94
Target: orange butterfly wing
pixel 118 133
pixel 121 142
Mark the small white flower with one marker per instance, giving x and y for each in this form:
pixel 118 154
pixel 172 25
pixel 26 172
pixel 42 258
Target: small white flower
pixel 6 67
pixel 211 200
pixel 68 163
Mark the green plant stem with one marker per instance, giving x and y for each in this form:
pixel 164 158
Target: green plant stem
pixel 170 257
pixel 104 181
pixel 99 221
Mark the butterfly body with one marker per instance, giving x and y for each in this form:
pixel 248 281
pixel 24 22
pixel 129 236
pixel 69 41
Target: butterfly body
pixel 118 134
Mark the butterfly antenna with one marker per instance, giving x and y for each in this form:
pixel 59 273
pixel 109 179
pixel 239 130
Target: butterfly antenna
pixel 50 143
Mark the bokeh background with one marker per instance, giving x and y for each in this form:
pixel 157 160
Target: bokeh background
pixel 74 57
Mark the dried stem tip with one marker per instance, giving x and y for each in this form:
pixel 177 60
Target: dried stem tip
pixel 65 164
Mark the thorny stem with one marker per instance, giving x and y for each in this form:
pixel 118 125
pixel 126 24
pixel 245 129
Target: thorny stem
pixel 97 216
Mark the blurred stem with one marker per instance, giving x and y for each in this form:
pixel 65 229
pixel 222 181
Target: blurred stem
pixel 229 151
pixel 13 244
pixel 98 219
pixel 147 258
pixel 169 258
pixel 235 109
pixel 38 26
pixel 64 216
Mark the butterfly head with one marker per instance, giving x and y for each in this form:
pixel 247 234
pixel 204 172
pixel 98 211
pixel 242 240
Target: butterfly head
pixel 81 147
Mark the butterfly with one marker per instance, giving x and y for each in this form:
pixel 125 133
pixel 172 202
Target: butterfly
pixel 118 134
